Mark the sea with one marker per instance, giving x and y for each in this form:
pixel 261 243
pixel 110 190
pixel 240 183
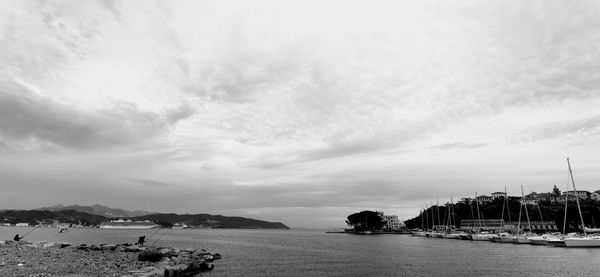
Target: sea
pixel 316 253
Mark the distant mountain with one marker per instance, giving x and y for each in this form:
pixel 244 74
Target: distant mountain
pixel 47 216
pixel 97 210
pixel 212 221
pixel 35 217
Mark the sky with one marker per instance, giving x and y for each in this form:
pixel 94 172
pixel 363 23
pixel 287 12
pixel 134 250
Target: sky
pixel 301 112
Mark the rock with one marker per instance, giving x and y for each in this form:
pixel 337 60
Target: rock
pixel 83 246
pixel 132 249
pixel 207 266
pixel 51 244
pixel 151 255
pixel 175 270
pixel 167 252
pixel 63 244
pixel 120 248
pixel 95 247
pixel 217 256
pixel 149 271
pixel 189 250
pixel 108 247
pixel 2 242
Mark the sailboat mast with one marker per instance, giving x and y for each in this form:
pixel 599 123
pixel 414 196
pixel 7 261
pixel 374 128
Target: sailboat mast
pixel 566 205
pixel 526 213
pixel 426 211
pixel 540 210
pixel 452 210
pixel 520 208
pixel 422 222
pixel 478 214
pixel 576 197
pixel 507 205
pixel 438 211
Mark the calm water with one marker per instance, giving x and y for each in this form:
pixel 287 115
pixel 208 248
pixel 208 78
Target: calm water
pixel 315 253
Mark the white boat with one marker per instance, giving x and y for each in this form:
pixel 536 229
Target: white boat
pixel 525 238
pixel 590 241
pixel 451 236
pixel 419 234
pixel 483 236
pixel 179 226
pixel 585 241
pixel 539 240
pixel 591 230
pixel 505 238
pixel 127 224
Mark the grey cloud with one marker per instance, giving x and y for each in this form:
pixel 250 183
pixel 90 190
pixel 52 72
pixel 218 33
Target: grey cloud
pixel 589 125
pixel 150 183
pixel 25 116
pixel 458 145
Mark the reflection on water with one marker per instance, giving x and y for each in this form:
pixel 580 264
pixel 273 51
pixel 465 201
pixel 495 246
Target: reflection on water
pixel 315 253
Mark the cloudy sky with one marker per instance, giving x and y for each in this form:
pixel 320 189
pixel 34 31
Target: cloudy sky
pixel 295 111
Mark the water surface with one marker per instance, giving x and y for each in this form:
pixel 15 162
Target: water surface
pixel 315 253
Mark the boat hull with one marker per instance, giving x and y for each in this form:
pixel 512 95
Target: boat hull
pixel 583 242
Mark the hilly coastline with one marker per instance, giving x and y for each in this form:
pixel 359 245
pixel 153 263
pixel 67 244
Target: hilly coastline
pixel 87 216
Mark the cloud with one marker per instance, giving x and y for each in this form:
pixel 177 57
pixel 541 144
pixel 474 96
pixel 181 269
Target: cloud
pixel 26 118
pixel 459 145
pixel 585 127
pixel 150 183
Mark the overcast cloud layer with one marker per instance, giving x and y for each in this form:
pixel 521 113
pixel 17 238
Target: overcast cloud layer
pixel 301 112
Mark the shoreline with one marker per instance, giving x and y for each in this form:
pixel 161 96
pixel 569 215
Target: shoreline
pixel 65 259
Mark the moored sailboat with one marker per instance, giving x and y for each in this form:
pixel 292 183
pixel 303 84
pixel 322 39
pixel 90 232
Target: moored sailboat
pixel 585 241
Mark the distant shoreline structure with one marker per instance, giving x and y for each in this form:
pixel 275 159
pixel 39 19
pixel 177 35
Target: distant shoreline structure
pixel 128 224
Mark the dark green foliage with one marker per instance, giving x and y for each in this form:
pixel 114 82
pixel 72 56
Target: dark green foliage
pixel 493 210
pixel 365 221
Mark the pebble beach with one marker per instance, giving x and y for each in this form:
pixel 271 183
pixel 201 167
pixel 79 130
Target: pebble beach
pixel 65 259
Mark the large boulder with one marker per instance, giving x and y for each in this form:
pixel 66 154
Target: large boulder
pixel 108 247
pixel 151 255
pixel 132 249
pixel 167 252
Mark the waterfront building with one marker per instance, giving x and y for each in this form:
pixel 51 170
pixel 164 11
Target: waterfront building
pixel 529 201
pixel 466 200
pixel 481 224
pixel 392 222
pixel 595 195
pixel 582 194
pixel 498 195
pixel 483 199
pixel 507 226
pixel 536 226
pixel 547 197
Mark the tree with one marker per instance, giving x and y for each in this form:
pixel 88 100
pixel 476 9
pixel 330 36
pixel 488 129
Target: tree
pixel 365 221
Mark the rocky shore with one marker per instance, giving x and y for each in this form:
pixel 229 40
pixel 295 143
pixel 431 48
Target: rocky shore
pixel 65 259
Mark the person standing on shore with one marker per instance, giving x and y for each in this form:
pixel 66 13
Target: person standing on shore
pixel 141 240
pixel 17 238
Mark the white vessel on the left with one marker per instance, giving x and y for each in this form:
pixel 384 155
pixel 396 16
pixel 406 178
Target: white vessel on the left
pixel 128 224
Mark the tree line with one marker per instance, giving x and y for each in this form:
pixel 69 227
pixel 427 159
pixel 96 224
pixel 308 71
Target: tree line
pixel 509 211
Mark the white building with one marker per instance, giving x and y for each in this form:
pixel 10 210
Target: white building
pixel 530 201
pixel 498 195
pixel 392 221
pixel 595 195
pixel 483 199
pixel 582 194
